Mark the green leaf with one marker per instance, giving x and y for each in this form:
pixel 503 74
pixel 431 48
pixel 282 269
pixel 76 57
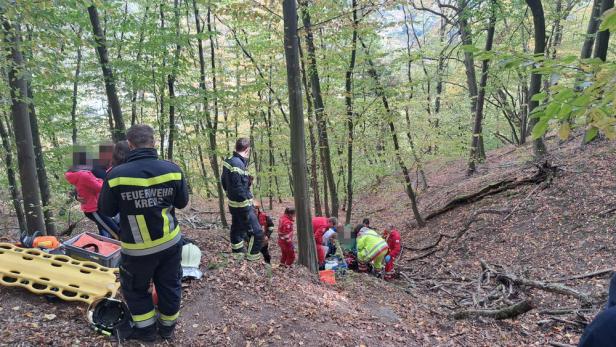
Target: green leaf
pixel 539 96
pixel 540 128
pixel 564 131
pixel 590 134
pixel 609 20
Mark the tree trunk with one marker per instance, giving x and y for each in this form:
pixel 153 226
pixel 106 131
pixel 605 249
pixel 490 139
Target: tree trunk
pixel 603 37
pixel 41 171
pixel 405 172
pixel 202 161
pixel 536 8
pixel 23 132
pixel 10 173
pixel 211 126
pixel 119 131
pixel 476 154
pixel 74 96
pixel 469 62
pixel 313 144
pixel 307 249
pixel 319 108
pixel 133 99
pixel 591 31
pixel 171 81
pixel 350 115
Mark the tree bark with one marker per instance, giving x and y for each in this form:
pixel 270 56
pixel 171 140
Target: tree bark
pixel 41 171
pixel 313 143
pixel 133 99
pixel 536 8
pixel 319 108
pixel 10 173
pixel 211 126
pixel 75 90
pixel 23 133
pixel 119 131
pixel 307 249
pixel 603 37
pixel 171 81
pixel 591 31
pixel 405 171
pixel 477 154
pixel 348 97
pixel 469 62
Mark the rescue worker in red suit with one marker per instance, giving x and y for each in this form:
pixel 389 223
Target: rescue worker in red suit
pixel 268 228
pixel 392 236
pixel 285 236
pixel 319 226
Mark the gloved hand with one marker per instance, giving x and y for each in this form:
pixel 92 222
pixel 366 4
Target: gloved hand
pixel 387 258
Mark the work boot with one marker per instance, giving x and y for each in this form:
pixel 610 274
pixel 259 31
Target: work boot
pixel 166 332
pixel 147 334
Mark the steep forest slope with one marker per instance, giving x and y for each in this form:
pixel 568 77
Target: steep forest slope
pixel 547 231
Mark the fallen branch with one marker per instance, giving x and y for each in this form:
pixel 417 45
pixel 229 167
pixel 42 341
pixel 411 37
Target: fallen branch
pixel 472 220
pixel 550 287
pixel 425 255
pixel 586 275
pixel 503 313
pixel 605 213
pixel 559 344
pixel 562 311
pixel 544 172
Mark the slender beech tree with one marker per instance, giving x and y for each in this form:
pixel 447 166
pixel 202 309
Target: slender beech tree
pixel 119 130
pixel 10 173
pixel 603 37
pixel 536 8
pixel 314 180
pixel 591 31
pixel 380 92
pixel 76 87
pixel 307 248
pixel 477 136
pixel 171 78
pixel 211 125
pixel 319 107
pixel 21 125
pixel 348 97
pixel 41 171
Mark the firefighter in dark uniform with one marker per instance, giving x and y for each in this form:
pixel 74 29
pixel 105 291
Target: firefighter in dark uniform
pixel 146 191
pixel 245 226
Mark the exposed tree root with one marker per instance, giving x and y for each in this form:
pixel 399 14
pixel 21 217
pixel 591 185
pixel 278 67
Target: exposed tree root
pixel 587 275
pixel 542 173
pixel 502 313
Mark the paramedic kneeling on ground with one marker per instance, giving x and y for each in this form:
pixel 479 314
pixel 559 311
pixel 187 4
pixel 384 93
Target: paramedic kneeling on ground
pixel 146 191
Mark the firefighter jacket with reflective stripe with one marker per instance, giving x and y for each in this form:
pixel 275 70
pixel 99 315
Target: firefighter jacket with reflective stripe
pixel 370 245
pixel 145 191
pixel 236 182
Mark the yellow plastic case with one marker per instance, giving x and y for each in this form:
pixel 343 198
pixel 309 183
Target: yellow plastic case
pixel 59 275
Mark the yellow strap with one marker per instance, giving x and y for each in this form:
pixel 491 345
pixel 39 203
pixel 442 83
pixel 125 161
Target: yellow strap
pixel 154 243
pixel 145 316
pixel 145 182
pixel 143 229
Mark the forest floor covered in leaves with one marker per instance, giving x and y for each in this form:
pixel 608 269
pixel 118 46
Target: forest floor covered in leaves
pixel 548 232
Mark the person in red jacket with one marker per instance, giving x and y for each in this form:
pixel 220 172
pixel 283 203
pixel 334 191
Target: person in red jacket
pixel 319 226
pixel 285 236
pixel 88 188
pixel 392 236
